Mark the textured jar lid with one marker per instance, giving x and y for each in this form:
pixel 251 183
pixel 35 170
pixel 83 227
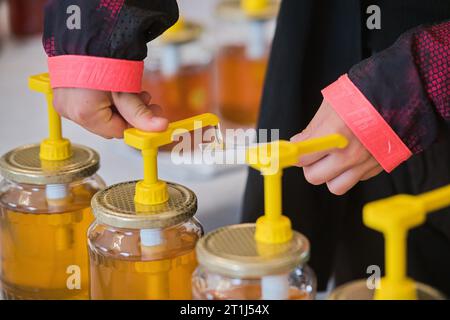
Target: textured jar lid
pixel 190 32
pixel 233 251
pixel 115 206
pixel 357 290
pixel 231 10
pixel 23 165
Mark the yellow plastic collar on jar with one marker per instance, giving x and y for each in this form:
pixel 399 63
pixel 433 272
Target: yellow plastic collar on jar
pixel 270 159
pixel 394 217
pixel 152 191
pixel 55 147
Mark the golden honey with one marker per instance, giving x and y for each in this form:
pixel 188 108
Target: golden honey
pixel 240 84
pixel 43 245
pixel 165 277
pixel 184 94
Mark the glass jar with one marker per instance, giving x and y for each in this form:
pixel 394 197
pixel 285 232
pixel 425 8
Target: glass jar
pixel 179 73
pixel 26 17
pixel 143 252
pixel 242 59
pixel 44 216
pixel 234 266
pixel 359 290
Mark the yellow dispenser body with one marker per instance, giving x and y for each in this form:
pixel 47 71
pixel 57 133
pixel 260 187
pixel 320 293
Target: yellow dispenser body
pixel 142 242
pixel 394 217
pixel 266 260
pixel 45 213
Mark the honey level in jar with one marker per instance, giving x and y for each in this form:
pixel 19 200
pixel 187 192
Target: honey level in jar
pixel 240 84
pixel 183 95
pixel 44 255
pixel 164 279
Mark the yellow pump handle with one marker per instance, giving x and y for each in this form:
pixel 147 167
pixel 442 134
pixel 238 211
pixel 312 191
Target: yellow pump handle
pixel 394 217
pixel 152 191
pixel 270 159
pixel 55 147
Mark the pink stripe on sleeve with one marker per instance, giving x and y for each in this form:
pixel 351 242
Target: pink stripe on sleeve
pixel 366 123
pixel 105 74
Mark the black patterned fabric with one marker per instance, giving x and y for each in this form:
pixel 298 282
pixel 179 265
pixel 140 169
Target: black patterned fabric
pixel 409 84
pixel 117 29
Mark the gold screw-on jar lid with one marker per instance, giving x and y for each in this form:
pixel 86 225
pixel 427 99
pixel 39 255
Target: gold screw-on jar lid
pixel 23 165
pixel 358 290
pixel 115 206
pixel 232 10
pixel 233 251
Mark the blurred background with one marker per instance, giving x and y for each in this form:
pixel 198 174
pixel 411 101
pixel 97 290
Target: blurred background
pixel 213 60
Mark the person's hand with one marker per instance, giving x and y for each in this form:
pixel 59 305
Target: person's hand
pixel 340 169
pixel 109 114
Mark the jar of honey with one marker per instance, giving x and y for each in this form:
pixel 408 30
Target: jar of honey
pixel 142 244
pixel 45 213
pixel 234 266
pixel 143 253
pixel 179 73
pixel 244 39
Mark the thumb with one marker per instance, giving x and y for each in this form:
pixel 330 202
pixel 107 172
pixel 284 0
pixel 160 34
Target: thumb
pixel 302 136
pixel 135 110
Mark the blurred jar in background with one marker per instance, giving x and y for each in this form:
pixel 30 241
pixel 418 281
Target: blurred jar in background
pixel 243 56
pixel 26 17
pixel 179 73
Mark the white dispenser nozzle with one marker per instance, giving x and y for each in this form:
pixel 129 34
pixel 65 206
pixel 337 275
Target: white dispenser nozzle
pixel 151 237
pixel 256 48
pixel 56 191
pixel 170 60
pixel 275 287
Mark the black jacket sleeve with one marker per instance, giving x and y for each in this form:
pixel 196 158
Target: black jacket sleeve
pixel 118 29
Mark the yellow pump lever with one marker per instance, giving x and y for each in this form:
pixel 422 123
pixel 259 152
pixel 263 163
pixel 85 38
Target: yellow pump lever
pixel 55 147
pixel 394 217
pixel 270 159
pixel 152 191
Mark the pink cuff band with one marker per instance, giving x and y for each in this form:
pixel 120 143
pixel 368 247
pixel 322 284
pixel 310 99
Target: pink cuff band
pixel 105 74
pixel 366 123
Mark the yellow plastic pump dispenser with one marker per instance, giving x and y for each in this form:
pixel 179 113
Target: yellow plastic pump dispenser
pixel 271 159
pixel 142 242
pixel 45 212
pixel 55 147
pixel 394 217
pixel 262 260
pixel 152 191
